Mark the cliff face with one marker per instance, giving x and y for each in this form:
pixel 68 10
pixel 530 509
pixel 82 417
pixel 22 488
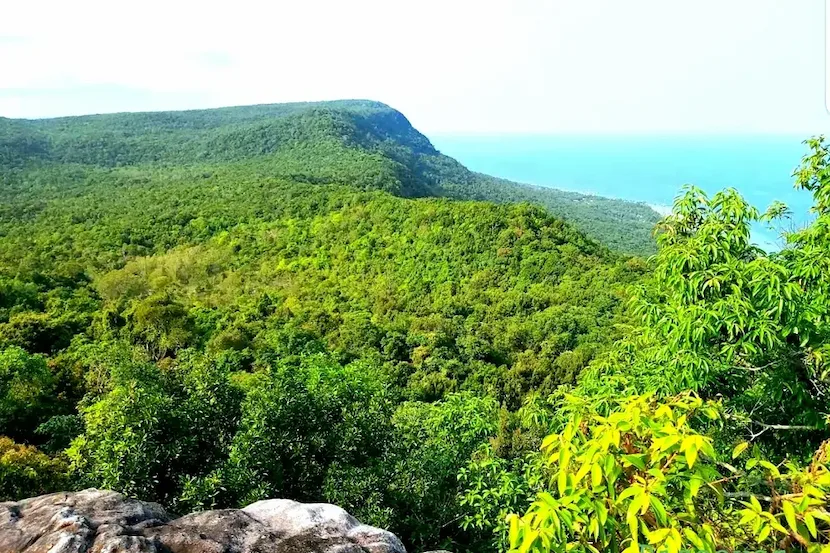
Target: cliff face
pixel 100 521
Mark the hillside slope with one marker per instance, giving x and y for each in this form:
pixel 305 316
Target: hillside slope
pixel 249 337
pixel 354 142
pixel 210 308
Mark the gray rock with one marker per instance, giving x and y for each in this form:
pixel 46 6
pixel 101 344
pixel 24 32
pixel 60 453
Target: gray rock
pixel 100 521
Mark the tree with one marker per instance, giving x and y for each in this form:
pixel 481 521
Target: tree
pixel 299 421
pixel 127 444
pixel 433 442
pixel 160 325
pixel 644 474
pixel 26 386
pixel 26 472
pixel 722 317
pixel 154 433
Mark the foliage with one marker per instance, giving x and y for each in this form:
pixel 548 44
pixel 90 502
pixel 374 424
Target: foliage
pixel 433 444
pixel 26 386
pixel 213 307
pixel 126 444
pixel 26 472
pixel 298 421
pixel 364 144
pixel 730 320
pixel 153 430
pixel 741 327
pixel 494 487
pixel 643 474
pixel 60 430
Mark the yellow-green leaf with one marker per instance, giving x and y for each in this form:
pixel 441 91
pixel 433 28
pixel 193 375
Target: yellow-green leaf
pixel 740 448
pixel 789 514
pixel 631 491
pixel 691 455
pixel 693 538
pixel 810 522
pixel 602 512
pixel 528 541
pixel 634 507
pixel 633 548
pixel 771 468
pixel 583 470
pixel 513 520
pixel 596 475
pixel 658 536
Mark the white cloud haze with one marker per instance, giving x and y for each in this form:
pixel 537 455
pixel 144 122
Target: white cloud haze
pixel 450 65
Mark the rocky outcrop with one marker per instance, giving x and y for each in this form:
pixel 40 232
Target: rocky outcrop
pixel 99 521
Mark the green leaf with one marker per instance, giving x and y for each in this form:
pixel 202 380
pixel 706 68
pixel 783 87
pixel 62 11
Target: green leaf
pixel 771 468
pixel 638 461
pixel 693 538
pixel 659 510
pixel 694 485
pixel 789 514
pixel 562 481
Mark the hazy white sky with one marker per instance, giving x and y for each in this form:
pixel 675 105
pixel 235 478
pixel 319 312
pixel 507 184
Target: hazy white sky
pixel 449 65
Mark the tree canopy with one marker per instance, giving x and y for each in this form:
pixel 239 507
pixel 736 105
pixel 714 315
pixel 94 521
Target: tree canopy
pixel 309 301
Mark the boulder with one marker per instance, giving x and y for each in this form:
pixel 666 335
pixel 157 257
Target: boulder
pixel 100 521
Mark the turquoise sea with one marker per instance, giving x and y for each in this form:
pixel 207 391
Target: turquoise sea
pixel 649 169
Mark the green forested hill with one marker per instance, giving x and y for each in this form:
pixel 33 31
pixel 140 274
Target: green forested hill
pixel 473 295
pixel 308 301
pixel 208 308
pixel 358 143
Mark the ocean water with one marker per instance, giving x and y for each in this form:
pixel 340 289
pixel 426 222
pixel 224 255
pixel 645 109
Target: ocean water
pixel 649 169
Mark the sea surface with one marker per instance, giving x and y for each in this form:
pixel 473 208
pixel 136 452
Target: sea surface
pixel 649 169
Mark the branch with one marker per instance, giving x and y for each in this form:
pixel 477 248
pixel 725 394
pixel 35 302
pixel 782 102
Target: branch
pixel 786 426
pixel 747 495
pixel 792 427
pixel 754 369
pixel 451 521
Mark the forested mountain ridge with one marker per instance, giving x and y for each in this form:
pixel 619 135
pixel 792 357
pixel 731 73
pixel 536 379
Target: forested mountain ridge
pixel 211 308
pixel 355 142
